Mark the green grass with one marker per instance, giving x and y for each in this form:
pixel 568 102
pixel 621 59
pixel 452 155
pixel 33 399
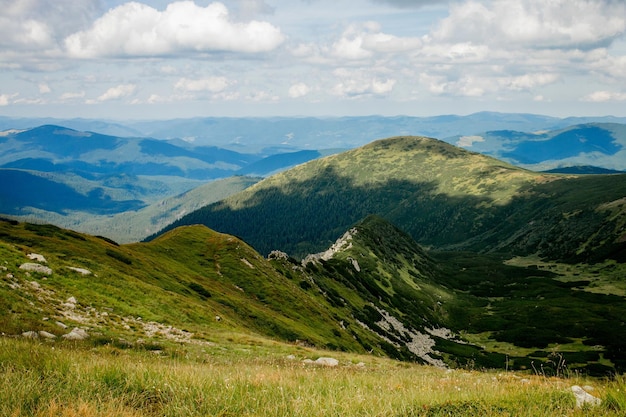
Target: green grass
pixel 262 380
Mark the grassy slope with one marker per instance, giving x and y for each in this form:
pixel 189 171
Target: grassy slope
pixel 183 279
pixel 443 196
pixel 163 297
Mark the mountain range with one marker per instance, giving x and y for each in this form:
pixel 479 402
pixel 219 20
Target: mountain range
pixel 87 178
pixel 443 196
pixel 408 247
pixel 253 134
pixel 82 179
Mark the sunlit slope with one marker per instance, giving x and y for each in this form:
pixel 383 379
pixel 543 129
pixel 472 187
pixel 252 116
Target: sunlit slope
pixel 443 196
pixel 192 281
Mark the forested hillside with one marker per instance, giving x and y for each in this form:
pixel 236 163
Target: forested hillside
pixel 443 196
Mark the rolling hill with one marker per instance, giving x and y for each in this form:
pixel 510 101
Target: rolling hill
pixel 445 197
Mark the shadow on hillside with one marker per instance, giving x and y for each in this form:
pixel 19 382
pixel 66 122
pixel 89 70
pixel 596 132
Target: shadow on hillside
pixel 305 217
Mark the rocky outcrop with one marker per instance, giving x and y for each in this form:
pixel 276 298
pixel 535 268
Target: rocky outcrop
pixel 81 271
pixel 33 267
pixel 343 243
pixel 322 361
pixel 37 257
pixel 76 334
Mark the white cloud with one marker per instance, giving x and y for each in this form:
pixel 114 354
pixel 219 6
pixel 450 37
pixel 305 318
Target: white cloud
pixel 365 40
pixel 605 96
pixel 5 99
pixel 72 96
pixel 528 82
pixel 568 24
pixel 36 25
pixel 299 90
pixel 455 55
pixel 44 88
pixel 138 30
pixel 359 83
pixel 211 84
pixel 480 84
pixel 116 93
pixel 262 96
pixel 465 86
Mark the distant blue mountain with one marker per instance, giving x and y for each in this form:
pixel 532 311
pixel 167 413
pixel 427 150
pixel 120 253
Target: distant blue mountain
pixel 27 189
pixel 567 144
pixel 602 145
pixel 51 148
pixel 54 169
pixel 251 135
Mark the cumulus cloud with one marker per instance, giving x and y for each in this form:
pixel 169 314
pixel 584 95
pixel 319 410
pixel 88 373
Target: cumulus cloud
pixel 366 39
pixel 605 96
pixel 36 25
pixel 44 88
pixel 299 90
pixel 569 24
pixel 5 99
pixel 136 29
pixel 478 85
pixel 211 84
pixel 528 82
pixel 69 96
pixel 357 84
pixel 115 93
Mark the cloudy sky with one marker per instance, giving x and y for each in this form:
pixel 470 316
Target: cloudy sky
pixel 150 59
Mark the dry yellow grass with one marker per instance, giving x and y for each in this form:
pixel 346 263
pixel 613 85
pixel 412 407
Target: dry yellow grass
pixel 44 380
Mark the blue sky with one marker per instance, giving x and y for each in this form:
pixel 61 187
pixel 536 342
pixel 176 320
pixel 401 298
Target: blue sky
pixel 117 59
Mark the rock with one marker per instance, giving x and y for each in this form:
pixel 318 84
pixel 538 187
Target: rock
pixel 61 325
pixel 330 362
pixel 81 271
pixel 276 254
pixel 76 334
pixel 46 335
pixel 355 264
pixel 30 335
pixel 584 398
pixel 32 267
pixel 71 300
pixel 36 257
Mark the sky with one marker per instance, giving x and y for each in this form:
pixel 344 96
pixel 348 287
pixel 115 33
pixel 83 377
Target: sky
pixel 118 59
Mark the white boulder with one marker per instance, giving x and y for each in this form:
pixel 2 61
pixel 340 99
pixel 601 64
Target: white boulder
pixel 583 398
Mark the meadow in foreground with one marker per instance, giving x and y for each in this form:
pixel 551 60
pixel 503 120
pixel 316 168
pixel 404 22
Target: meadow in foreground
pixel 265 379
